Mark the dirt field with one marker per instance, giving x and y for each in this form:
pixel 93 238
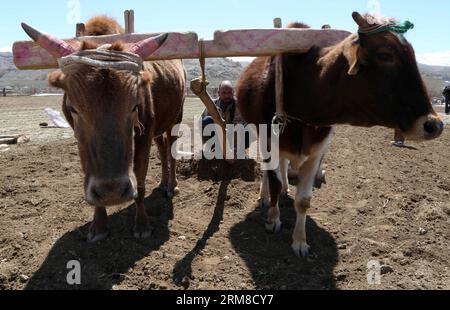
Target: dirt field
pixel 381 204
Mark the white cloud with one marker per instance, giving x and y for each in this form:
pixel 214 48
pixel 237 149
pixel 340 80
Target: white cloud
pixel 5 49
pixel 374 7
pixel 435 59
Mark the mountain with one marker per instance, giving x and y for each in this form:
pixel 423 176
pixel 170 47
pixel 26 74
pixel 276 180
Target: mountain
pixel 22 82
pixel 436 78
pixel 217 70
pixel 5 63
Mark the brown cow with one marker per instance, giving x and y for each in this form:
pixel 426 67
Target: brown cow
pixel 116 112
pixel 365 80
pixel 102 25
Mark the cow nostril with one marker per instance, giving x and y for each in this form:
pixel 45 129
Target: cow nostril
pixel 110 191
pixel 430 127
pixel 433 127
pixel 95 194
pixel 128 192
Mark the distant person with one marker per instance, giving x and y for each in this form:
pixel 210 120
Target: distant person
pixel 446 94
pixel 325 27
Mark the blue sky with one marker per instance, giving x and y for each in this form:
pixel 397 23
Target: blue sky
pixel 431 37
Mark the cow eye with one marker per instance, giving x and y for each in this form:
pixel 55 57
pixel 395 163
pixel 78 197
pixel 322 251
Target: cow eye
pixel 385 57
pixel 72 110
pixel 136 108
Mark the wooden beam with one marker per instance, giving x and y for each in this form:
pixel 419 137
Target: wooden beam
pixel 8 140
pixel 269 42
pixel 129 21
pixel 279 77
pixel 233 43
pixel 30 56
pixel 277 23
pixel 81 30
pixel 126 16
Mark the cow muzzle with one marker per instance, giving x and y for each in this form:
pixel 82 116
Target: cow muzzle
pixel 426 128
pixel 108 192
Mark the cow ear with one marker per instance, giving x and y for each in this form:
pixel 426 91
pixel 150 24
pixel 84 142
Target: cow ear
pixel 352 55
pixel 57 79
pixel 66 112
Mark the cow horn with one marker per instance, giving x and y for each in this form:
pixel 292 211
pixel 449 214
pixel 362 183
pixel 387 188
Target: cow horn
pixel 56 47
pixel 147 47
pixel 361 21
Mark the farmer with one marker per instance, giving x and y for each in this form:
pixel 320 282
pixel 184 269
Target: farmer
pixel 446 94
pixel 227 106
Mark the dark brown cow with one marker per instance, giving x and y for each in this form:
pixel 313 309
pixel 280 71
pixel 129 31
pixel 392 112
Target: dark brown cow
pixel 366 80
pixel 116 113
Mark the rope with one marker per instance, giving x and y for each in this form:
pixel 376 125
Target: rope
pixel 203 62
pixel 102 59
pixel 399 28
pixel 283 119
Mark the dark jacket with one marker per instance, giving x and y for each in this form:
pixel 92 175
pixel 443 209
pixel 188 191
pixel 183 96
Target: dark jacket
pixel 227 111
pixel 446 92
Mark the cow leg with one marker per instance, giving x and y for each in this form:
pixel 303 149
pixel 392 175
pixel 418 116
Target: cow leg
pixel 99 227
pixel 320 178
pixel 162 148
pixel 284 167
pixel 172 188
pixel 273 223
pixel 142 228
pixel 307 173
pixel 264 194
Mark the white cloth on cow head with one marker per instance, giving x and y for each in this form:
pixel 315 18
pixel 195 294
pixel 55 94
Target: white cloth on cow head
pixel 102 58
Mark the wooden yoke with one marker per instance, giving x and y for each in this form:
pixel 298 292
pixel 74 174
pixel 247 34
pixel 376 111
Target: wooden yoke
pixel 232 43
pixel 279 83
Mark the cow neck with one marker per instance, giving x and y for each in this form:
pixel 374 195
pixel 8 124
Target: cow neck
pixel 333 102
pixel 324 64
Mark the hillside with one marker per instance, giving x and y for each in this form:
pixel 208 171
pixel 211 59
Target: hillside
pixel 218 69
pixel 436 77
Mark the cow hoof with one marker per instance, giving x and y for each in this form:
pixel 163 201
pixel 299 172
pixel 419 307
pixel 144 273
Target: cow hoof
pixel 263 203
pixel 144 231
pixel 320 179
pixel 163 187
pixel 285 194
pixel 143 235
pixel 301 249
pixel 94 238
pixel 273 228
pixel 173 193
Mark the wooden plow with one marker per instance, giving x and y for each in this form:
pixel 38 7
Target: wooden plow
pixel 232 43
